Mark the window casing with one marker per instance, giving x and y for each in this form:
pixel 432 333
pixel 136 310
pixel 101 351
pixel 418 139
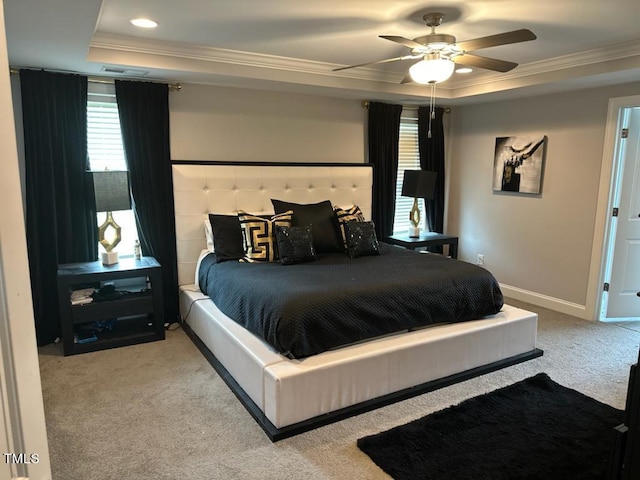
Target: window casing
pixel 104 145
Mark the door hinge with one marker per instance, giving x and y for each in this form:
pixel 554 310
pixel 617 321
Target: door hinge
pixel 615 212
pixel 606 287
pixel 625 133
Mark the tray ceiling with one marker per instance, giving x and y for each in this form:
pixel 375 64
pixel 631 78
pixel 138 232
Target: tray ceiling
pixel 292 45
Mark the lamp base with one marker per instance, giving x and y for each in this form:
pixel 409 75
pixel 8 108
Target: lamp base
pixel 109 258
pixel 414 232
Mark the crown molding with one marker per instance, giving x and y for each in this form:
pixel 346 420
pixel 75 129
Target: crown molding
pixel 134 51
pixel 134 45
pixel 620 51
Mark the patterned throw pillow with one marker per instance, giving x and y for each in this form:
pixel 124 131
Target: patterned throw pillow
pixel 259 235
pixel 353 213
pixel 361 239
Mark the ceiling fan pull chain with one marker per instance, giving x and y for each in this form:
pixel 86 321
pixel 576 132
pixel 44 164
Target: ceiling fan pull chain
pixel 432 102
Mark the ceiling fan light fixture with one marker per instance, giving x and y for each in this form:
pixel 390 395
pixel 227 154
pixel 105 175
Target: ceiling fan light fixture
pixel 431 70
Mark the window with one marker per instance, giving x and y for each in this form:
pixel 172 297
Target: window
pixel 408 159
pixel 104 143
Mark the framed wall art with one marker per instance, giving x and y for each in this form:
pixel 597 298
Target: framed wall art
pixel 517 164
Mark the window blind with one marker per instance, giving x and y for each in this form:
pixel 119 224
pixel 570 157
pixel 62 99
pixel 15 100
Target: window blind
pixel 104 140
pixel 408 159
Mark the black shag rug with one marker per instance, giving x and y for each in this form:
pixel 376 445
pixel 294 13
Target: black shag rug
pixel 533 429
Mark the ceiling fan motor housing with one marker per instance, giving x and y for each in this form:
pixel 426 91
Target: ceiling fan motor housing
pixel 435 38
pixel 442 44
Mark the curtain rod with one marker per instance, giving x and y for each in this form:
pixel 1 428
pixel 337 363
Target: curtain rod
pixel 365 104
pixel 107 80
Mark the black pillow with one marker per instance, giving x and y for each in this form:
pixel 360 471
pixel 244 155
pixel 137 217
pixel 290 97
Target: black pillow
pixel 347 215
pixel 227 237
pixel 361 239
pixel 324 227
pixel 295 244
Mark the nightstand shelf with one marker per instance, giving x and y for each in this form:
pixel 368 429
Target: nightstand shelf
pixel 128 315
pixel 105 310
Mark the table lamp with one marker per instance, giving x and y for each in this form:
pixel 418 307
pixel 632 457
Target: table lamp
pixel 417 184
pixel 112 194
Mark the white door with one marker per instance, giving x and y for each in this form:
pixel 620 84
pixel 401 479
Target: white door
pixel 624 283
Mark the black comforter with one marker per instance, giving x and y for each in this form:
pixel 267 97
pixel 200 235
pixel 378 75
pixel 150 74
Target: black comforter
pixel 308 308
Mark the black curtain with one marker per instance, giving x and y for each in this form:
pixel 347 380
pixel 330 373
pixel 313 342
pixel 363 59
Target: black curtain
pixel 144 121
pixel 384 137
pixel 432 158
pixel 60 210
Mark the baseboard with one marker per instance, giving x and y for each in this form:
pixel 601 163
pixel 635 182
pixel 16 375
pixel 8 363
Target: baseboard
pixel 546 301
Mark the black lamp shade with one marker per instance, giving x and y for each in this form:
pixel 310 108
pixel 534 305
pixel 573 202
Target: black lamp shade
pixel 111 190
pixel 418 184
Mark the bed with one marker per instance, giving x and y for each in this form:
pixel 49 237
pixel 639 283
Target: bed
pixel 289 391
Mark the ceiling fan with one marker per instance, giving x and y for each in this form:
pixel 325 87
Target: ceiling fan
pixel 438 53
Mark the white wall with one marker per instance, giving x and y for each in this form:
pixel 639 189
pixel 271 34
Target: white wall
pixel 232 124
pixel 539 245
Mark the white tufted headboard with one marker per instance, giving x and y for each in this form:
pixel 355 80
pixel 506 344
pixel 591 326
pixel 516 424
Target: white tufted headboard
pixel 201 188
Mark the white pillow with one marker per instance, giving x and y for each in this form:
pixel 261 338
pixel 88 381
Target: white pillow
pixel 203 254
pixel 208 233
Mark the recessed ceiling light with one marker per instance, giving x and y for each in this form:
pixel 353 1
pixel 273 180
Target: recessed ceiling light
pixel 464 70
pixel 144 22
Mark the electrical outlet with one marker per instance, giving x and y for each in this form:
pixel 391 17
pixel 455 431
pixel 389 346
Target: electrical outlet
pixel 480 260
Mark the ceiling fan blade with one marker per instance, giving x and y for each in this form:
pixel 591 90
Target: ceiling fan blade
pixel 407 79
pixel 402 41
pixel 405 57
pixel 516 36
pixel 484 62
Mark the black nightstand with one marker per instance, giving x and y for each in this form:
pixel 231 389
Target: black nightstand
pixel 128 312
pixel 426 239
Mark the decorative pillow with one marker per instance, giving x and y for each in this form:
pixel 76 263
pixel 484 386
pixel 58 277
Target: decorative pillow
pixel 361 239
pixel 295 244
pixel 259 235
pixel 227 237
pixel 326 235
pixel 353 213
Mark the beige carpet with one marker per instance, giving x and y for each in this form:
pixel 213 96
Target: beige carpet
pixel 159 411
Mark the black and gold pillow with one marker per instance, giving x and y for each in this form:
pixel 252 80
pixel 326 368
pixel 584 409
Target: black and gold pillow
pixel 259 237
pixel 351 214
pixel 361 239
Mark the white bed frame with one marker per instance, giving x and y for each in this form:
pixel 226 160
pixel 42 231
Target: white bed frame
pixel 286 396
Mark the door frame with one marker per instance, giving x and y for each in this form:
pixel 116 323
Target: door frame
pixel 602 229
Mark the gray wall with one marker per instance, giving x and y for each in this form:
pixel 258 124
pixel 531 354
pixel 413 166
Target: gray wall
pixel 538 247
pixel 232 124
pixel 542 244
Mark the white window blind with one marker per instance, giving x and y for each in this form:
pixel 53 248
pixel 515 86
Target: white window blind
pixel 104 140
pixel 104 144
pixel 408 159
